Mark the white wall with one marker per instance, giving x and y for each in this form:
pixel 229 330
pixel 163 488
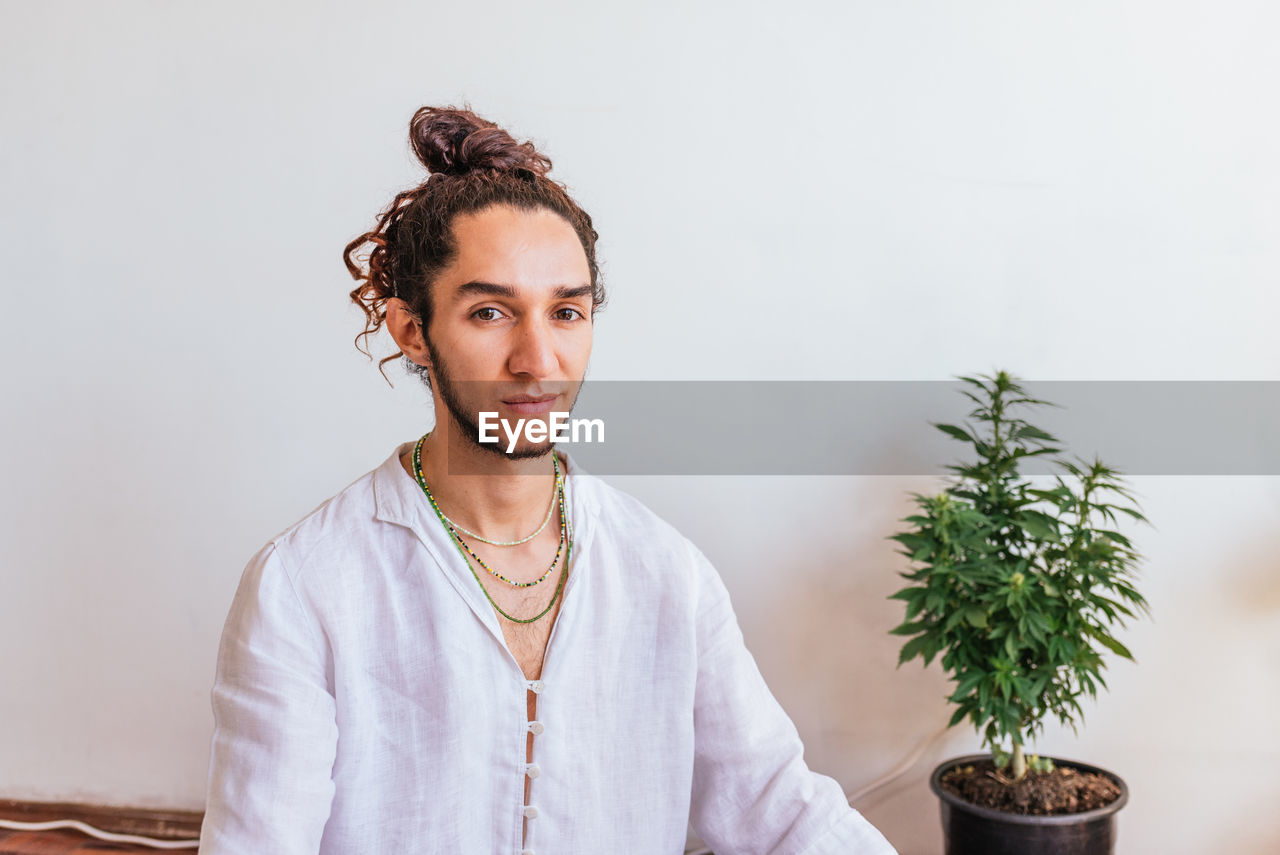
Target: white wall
pixel 788 190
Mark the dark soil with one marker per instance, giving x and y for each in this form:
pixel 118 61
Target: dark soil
pixel 1064 790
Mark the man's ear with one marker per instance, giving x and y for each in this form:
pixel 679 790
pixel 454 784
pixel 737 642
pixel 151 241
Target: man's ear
pixel 405 327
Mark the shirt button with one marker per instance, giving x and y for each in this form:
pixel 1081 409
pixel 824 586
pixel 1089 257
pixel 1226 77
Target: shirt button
pixel 530 811
pixel 535 686
pixel 536 728
pixel 532 770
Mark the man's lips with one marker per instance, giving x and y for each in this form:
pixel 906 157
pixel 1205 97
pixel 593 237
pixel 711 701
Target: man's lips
pixel 526 405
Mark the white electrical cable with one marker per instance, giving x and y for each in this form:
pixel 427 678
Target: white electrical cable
pixel 99 833
pixel 899 770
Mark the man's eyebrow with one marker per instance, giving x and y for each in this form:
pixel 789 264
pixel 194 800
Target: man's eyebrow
pixel 566 293
pixel 491 289
pixel 486 288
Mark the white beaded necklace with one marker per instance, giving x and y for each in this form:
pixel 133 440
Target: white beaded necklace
pixel 550 509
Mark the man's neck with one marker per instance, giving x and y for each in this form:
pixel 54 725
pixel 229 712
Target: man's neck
pixel 500 498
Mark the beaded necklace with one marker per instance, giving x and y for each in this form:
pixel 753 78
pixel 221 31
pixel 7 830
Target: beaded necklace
pixel 550 508
pixel 566 541
pixel 454 528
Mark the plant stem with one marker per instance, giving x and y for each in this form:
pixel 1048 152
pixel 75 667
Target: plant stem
pixel 1018 765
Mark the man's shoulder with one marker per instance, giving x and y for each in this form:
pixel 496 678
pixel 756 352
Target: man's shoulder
pixel 629 520
pixel 650 549
pixel 344 519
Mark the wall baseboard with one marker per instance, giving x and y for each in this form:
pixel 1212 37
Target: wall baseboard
pixel 160 824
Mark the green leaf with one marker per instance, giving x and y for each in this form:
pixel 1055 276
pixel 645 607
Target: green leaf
pixel 1113 645
pixel 931 645
pixel 958 433
pixel 968 684
pixel 909 628
pixel 911 540
pixel 1039 526
pixel 1054 496
pixel 977 616
pixel 1120 607
pixel 1034 433
pixel 1132 513
pixel 914 607
pixel 1072 468
pixel 1114 535
pixel 1000 757
pixel 911 649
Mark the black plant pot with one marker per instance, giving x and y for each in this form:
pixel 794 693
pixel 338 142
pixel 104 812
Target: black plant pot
pixel 972 830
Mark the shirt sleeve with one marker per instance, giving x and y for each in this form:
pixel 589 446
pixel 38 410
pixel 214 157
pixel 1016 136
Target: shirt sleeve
pixel 270 785
pixel 752 792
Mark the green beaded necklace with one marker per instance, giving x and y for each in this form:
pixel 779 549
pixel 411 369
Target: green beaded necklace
pixel 565 539
pixel 455 529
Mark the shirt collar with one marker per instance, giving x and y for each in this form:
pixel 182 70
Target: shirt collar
pixel 393 499
pixel 398 498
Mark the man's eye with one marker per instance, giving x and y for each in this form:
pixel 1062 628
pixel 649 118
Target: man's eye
pixel 480 313
pixel 572 314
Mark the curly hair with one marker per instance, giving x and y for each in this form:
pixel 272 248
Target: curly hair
pixel 473 164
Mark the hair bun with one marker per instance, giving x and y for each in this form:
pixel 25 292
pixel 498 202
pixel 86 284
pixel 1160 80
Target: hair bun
pixel 453 141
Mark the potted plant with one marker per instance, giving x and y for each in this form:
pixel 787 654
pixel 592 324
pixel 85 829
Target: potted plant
pixel 1018 590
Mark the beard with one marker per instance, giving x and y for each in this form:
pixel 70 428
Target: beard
pixel 468 422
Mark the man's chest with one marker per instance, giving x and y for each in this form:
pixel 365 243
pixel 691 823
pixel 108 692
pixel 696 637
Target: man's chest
pixel 527 641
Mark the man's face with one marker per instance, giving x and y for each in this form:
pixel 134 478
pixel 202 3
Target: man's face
pixel 511 321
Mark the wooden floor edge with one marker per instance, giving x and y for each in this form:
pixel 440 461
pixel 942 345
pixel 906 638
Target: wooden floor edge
pixel 160 824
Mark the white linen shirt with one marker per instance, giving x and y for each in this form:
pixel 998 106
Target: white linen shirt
pixel 366 702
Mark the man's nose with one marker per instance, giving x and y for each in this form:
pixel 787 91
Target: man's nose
pixel 534 350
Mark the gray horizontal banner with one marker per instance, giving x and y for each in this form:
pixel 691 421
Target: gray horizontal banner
pixel 883 427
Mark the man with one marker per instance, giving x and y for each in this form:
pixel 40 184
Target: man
pixel 408 669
